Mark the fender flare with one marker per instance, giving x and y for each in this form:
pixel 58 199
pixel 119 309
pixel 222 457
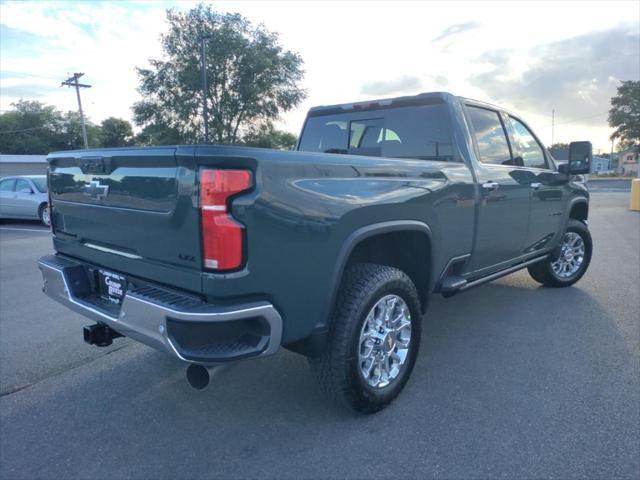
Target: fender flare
pixel 572 203
pixel 354 239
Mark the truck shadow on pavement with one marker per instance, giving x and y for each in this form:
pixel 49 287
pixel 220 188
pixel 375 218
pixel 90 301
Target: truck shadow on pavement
pixel 506 367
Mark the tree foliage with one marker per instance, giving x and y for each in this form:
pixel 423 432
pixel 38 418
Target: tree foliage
pixel 35 128
pixel 251 78
pixel 624 115
pixel 115 132
pixel 267 136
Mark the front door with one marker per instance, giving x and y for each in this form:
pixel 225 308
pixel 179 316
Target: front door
pixel 26 203
pixel 7 197
pixel 503 213
pixel 546 192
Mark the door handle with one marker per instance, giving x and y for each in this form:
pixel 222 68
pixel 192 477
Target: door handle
pixel 490 186
pixel 536 185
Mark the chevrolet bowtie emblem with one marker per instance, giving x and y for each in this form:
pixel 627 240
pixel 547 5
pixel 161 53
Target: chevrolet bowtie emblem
pixel 95 190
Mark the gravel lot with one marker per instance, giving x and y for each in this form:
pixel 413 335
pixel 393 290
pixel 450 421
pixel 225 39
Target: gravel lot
pixel 513 381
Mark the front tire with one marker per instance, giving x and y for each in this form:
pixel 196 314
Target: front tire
pixel 374 338
pixel 573 259
pixel 45 215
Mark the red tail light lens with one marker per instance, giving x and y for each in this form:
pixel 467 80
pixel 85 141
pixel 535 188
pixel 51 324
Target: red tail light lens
pixel 222 236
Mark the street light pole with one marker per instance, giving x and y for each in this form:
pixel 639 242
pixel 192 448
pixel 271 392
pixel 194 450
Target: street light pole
pixel 205 112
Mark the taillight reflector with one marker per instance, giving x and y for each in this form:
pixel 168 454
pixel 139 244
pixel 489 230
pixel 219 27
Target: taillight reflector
pixel 222 236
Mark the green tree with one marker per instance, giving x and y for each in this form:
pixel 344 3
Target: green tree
pixel 72 132
pixel 251 77
pixel 267 136
pixel 31 128
pixel 35 128
pixel 624 115
pixel 115 132
pixel 156 134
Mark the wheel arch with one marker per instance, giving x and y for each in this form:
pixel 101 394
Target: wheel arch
pixel 579 209
pixel 350 250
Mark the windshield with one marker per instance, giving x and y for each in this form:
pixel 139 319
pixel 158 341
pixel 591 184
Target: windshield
pixel 410 132
pixel 40 183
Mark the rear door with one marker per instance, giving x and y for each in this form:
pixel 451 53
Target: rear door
pixel 131 210
pixel 504 206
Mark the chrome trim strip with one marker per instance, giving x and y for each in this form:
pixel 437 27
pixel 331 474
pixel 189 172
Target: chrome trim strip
pixel 111 250
pixel 145 321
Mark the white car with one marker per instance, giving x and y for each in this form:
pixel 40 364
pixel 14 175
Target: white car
pixel 25 197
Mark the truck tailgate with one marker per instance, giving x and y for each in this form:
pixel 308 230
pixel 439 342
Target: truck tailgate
pixel 130 210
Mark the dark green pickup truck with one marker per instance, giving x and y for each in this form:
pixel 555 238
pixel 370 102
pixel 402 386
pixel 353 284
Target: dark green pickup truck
pixel 216 253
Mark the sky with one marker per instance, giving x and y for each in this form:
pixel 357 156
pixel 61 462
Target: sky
pixel 530 57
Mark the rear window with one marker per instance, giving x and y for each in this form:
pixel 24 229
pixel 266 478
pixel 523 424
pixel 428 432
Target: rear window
pixel 410 132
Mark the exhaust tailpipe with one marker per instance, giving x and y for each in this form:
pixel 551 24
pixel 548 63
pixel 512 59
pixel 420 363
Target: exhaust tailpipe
pixel 199 376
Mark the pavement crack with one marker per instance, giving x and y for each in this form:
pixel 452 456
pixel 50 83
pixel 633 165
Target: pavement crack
pixel 73 366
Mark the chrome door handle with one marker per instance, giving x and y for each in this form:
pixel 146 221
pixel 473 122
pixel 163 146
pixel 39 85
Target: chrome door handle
pixel 490 185
pixel 536 185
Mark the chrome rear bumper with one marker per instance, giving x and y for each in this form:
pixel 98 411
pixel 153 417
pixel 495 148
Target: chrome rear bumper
pixel 180 325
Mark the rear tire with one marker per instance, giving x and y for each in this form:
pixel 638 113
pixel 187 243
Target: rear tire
pixel 45 215
pixel 573 261
pixel 373 340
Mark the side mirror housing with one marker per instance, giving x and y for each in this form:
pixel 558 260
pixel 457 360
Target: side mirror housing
pixel 580 156
pixel 26 190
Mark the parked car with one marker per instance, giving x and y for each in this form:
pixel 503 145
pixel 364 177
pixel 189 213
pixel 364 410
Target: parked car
pixel 216 253
pixel 25 197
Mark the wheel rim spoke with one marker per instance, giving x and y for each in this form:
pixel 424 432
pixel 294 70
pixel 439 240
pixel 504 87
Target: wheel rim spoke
pixel 384 341
pixel 571 256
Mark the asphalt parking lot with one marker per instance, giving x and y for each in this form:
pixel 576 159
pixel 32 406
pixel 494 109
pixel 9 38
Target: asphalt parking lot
pixel 513 381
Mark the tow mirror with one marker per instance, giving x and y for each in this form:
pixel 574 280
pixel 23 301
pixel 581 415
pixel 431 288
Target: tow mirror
pixel 580 155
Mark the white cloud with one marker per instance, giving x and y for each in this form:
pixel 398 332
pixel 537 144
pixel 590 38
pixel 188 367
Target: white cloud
pixel 344 45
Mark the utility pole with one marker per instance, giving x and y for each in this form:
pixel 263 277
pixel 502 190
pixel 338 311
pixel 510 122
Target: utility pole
pixel 553 123
pixel 611 156
pixel 73 82
pixel 205 112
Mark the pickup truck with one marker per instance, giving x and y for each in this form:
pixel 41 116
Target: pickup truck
pixel 214 254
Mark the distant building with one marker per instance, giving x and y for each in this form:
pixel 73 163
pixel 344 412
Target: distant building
pixel 598 164
pixel 23 165
pixel 628 163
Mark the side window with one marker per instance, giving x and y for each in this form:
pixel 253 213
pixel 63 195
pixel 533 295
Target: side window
pixel 527 145
pixel 490 136
pixel 7 185
pixel 22 185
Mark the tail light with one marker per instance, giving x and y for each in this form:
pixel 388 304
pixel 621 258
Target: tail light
pixel 222 236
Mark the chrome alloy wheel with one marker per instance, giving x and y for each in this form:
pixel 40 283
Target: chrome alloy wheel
pixel 384 341
pixel 571 256
pixel 46 217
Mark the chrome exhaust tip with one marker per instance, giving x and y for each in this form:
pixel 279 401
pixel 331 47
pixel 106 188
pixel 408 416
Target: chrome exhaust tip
pixel 199 376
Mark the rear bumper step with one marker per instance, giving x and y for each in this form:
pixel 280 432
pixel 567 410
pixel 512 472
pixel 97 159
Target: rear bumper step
pixel 183 327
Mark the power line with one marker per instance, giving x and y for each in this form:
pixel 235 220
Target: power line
pixel 73 82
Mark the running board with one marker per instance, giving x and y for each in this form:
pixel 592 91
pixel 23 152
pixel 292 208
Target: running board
pixel 456 284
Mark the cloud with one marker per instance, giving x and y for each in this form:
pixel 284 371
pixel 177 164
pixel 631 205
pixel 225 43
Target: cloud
pixel 456 29
pixel 27 90
pixel 404 84
pixel 576 76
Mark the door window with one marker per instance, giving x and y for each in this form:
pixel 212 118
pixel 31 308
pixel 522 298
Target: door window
pixel 490 136
pixel 527 145
pixel 7 185
pixel 22 185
